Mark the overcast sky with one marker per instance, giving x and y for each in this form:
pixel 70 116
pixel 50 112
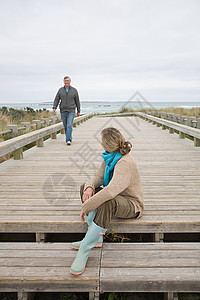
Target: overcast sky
pixel 109 48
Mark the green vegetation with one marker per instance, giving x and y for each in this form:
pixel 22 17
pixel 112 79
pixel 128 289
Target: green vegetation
pixel 117 296
pixel 16 116
pixel 113 237
pixel 190 112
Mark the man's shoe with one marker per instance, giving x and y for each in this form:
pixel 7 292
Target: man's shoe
pixel 69 143
pixel 89 241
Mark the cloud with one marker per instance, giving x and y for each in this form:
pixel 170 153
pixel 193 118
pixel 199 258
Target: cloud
pixel 109 48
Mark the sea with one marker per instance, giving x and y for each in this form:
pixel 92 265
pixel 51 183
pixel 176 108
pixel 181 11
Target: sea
pixel 105 106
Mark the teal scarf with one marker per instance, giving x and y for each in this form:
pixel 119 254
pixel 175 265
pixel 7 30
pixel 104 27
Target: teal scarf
pixel 110 160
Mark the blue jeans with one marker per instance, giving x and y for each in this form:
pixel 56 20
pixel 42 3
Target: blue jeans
pixel 68 118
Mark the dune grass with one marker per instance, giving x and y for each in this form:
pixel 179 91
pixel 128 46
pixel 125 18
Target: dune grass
pixel 190 112
pixel 16 116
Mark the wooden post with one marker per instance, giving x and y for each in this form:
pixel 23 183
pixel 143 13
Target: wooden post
pixel 175 295
pixel 189 121
pixel 59 118
pixel 34 126
pixel 40 143
pixel 174 117
pixel 171 296
pixel 198 123
pixel 93 295
pixel 53 119
pixel 25 296
pixel 194 123
pixel 184 120
pixel 47 121
pixel 62 131
pixel 18 154
pixel 181 119
pixel 196 142
pixel 38 123
pixel 158 124
pixel 14 129
pixel 163 114
pixel 181 135
pixel 153 122
pixel 178 118
pixel 27 125
pixel 158 237
pixel 53 135
pixel 40 237
pixel 56 120
pixel 74 124
pixel 171 130
pixel 163 127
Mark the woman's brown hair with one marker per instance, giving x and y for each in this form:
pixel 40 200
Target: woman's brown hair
pixel 114 141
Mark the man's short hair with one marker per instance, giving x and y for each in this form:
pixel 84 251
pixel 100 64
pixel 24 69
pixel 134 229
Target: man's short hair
pixel 66 77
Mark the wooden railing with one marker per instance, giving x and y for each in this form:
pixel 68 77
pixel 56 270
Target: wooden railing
pixel 185 120
pixel 181 128
pixel 16 144
pixel 14 130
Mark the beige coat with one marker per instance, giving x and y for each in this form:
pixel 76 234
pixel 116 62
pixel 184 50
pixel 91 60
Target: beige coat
pixel 125 182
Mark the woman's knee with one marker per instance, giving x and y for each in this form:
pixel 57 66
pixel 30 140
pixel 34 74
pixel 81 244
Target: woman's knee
pixel 109 205
pixel 126 209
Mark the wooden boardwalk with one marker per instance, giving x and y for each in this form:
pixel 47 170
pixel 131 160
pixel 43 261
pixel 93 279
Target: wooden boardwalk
pixel 149 267
pixel 45 267
pixel 40 194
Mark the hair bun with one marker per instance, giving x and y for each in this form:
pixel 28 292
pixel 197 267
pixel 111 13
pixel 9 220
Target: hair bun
pixel 125 147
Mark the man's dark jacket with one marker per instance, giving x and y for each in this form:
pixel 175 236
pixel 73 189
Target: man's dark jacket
pixel 68 101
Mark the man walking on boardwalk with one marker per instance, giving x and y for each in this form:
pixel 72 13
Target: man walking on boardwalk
pixel 69 101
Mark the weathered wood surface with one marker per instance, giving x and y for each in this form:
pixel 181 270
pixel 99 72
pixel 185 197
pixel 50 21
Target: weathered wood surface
pixel 158 267
pixel 45 267
pixel 41 192
pixel 130 267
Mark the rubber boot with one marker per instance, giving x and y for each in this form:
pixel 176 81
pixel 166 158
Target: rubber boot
pixel 89 241
pixel 89 219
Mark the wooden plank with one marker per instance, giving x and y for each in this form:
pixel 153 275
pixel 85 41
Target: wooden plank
pixel 41 253
pixel 108 247
pixel 150 267
pixel 120 227
pixel 150 280
pixel 45 267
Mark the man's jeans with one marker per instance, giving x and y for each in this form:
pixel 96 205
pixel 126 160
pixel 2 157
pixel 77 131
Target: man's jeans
pixel 68 118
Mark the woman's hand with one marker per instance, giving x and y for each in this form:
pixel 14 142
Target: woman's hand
pixel 82 216
pixel 89 192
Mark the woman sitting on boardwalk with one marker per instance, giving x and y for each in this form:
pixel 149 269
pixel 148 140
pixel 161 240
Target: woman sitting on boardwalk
pixel 121 195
